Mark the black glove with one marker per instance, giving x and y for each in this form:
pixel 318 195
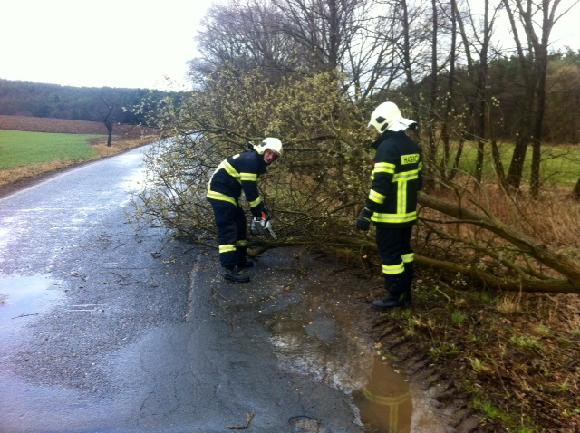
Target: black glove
pixel 257 211
pixel 363 222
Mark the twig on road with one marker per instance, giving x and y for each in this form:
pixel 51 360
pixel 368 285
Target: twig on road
pixel 249 417
pixel 24 315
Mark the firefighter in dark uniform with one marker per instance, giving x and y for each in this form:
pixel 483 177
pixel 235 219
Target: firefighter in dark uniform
pixel 392 202
pixel 234 174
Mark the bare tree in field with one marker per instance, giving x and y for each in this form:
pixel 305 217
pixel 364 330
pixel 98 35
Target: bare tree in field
pixel 537 19
pixel 476 38
pixel 107 120
pixel 449 100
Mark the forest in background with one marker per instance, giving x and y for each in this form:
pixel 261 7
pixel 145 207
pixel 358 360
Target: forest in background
pixel 77 103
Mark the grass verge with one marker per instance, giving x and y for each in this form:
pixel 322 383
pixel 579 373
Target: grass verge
pixel 516 354
pixel 25 148
pixel 40 153
pixel 560 164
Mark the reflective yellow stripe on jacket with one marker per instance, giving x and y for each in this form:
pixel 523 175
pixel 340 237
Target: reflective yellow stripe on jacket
pixel 233 172
pixel 383 167
pixel 393 218
pixel 401 216
pixel 256 202
pixel 376 197
pixel 229 168
pixel 250 177
pixel 219 196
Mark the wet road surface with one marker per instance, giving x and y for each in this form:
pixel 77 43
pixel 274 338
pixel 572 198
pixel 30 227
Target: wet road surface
pixel 109 326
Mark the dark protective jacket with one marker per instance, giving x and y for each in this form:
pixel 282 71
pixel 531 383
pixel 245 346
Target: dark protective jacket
pixel 396 180
pixel 237 173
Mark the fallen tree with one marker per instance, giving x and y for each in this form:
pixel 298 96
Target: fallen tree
pixel 525 245
pixel 315 191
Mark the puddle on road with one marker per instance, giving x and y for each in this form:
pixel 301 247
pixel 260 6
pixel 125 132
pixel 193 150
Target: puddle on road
pixel 385 401
pixel 24 296
pixel 324 346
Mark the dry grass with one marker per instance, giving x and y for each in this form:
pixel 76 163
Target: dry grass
pixel 552 218
pixel 509 304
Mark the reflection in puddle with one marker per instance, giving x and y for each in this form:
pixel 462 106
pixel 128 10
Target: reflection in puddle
pixel 23 296
pixel 385 402
pixel 337 362
pixel 324 350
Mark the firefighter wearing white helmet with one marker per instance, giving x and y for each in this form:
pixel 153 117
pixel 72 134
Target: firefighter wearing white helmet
pixel 269 143
pixel 392 202
pixel 233 175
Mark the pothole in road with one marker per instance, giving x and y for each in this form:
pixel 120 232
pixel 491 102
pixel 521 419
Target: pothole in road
pixel 24 296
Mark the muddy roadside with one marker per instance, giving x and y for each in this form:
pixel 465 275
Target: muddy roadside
pixel 460 360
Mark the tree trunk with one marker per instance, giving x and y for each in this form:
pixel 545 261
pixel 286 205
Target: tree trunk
pixel 482 94
pixel 541 61
pixel 498 164
pixel 108 122
pixel 516 168
pixel 457 160
pixel 450 99
pixel 407 60
pixel 433 89
pixel 334 34
pixel 525 285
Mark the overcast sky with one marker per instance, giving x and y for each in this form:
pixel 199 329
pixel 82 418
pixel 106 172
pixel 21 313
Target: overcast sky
pixel 115 43
pixel 121 43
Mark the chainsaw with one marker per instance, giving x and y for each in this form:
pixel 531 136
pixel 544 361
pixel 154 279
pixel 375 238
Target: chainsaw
pixel 261 226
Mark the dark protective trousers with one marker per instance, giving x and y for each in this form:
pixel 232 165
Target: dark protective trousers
pixel 394 245
pixel 232 233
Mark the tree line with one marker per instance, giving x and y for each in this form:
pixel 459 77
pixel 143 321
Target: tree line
pixel 77 103
pixel 483 74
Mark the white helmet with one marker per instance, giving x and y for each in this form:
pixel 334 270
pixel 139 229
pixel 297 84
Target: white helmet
pixel 388 116
pixel 270 143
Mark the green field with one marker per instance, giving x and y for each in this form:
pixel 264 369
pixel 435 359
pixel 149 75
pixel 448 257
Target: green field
pixel 560 164
pixel 23 148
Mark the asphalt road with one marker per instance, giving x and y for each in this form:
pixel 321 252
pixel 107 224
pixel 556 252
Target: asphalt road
pixel 109 326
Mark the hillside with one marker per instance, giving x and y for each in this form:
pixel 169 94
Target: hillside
pixel 76 103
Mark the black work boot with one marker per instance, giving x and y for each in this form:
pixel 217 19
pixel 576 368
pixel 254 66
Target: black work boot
pixel 392 301
pixel 398 295
pixel 232 275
